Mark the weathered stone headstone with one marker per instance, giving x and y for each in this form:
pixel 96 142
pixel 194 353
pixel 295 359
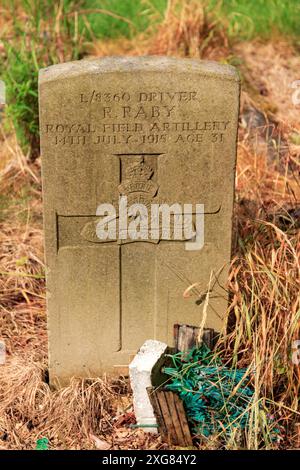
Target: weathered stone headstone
pixel 152 129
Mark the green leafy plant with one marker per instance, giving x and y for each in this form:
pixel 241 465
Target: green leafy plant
pixel 47 36
pixel 21 80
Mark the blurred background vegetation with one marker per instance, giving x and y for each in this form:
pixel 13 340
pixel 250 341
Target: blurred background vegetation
pixel 38 33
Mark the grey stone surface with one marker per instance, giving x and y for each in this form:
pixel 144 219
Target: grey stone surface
pixel 101 122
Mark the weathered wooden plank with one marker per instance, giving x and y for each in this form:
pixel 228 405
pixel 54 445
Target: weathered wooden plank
pixel 166 416
pixel 179 419
pixel 178 436
pixel 171 418
pixel 183 420
pixel 186 337
pixel 152 393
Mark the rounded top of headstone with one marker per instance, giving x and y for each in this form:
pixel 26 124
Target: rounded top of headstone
pixel 138 64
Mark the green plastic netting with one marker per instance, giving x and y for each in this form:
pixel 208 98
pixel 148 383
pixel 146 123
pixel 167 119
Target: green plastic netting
pixel 216 398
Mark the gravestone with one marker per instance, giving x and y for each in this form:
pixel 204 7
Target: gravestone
pixel 152 129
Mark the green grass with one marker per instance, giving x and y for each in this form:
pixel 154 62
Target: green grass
pixel 52 34
pixel 21 79
pixel 45 39
pixel 119 18
pixel 243 19
pixel 247 19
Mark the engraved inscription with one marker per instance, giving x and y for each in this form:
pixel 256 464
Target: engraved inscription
pixel 154 96
pixel 138 133
pixel 145 117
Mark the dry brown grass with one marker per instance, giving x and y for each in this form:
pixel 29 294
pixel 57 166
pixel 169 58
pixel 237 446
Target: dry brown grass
pixel 187 32
pixel 29 410
pixel 264 321
pixel 22 297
